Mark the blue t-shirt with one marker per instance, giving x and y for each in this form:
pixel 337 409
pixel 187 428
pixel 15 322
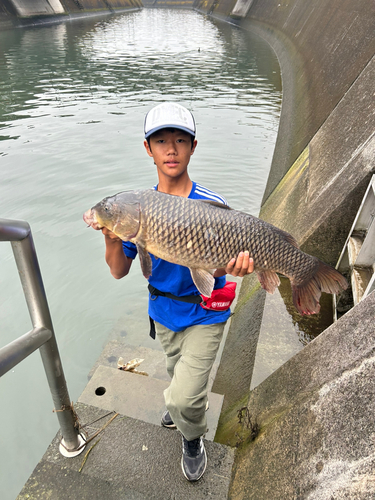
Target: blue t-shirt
pixel 177 280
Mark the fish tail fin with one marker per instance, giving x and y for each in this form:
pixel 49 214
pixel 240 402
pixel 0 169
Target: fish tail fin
pixel 325 279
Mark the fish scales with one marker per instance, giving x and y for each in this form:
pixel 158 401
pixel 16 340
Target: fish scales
pixel 195 232
pixel 185 232
pixel 205 236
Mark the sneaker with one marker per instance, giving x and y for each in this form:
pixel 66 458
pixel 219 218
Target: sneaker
pixel 194 459
pixel 166 420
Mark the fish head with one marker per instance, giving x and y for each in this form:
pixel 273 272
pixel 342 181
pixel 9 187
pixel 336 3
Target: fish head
pixel 120 214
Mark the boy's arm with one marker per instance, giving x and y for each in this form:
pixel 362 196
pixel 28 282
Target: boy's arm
pixel 237 267
pixel 119 263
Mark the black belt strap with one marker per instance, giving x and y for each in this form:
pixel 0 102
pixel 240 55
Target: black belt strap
pixel 192 299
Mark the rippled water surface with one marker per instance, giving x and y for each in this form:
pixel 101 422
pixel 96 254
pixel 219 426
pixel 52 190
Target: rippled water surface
pixel 72 102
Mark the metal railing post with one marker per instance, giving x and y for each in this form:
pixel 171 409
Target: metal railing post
pixel 19 234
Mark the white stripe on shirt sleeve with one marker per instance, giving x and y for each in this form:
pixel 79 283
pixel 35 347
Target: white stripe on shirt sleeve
pixel 210 194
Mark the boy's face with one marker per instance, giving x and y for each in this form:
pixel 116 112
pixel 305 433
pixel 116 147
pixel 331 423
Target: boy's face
pixel 171 150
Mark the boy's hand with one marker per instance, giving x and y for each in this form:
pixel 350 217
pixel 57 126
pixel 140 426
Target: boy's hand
pixel 108 234
pixel 241 266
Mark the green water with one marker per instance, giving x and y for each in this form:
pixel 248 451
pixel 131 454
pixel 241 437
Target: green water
pixel 72 102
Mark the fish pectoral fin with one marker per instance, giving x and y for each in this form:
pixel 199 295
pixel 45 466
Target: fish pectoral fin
pixel 268 279
pixel 145 260
pixel 203 280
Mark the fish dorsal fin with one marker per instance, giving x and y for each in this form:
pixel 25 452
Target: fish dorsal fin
pixel 290 239
pixel 287 236
pixel 216 204
pixel 203 280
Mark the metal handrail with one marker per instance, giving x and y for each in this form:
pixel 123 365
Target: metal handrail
pixel 42 335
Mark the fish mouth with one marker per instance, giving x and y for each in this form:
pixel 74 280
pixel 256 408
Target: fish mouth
pixel 90 219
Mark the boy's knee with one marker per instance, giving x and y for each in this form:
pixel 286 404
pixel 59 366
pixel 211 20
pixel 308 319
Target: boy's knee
pixel 187 402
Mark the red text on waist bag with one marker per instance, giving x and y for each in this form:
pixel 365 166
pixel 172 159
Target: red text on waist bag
pixel 220 299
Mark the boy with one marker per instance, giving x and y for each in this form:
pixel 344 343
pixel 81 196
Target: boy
pixel 189 334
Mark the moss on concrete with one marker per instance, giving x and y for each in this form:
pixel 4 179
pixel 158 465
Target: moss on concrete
pixel 230 431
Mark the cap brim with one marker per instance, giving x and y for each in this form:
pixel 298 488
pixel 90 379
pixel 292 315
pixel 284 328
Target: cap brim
pixel 152 131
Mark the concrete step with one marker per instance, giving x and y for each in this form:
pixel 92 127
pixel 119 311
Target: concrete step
pixel 132 460
pixel 153 364
pixel 138 396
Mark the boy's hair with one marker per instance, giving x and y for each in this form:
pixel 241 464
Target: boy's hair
pixel 169 129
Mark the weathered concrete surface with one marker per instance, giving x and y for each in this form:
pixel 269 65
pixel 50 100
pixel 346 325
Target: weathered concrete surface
pixel 326 184
pixel 265 332
pixel 284 332
pixel 138 396
pixel 334 42
pixel 241 8
pixel 131 460
pixel 316 420
pixel 153 364
pixel 25 8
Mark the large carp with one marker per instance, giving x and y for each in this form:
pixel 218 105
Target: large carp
pixel 204 235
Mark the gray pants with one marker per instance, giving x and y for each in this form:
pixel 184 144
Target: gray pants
pixel 190 356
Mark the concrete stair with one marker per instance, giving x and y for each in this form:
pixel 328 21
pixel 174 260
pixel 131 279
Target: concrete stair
pixel 134 457
pixel 131 460
pixel 136 395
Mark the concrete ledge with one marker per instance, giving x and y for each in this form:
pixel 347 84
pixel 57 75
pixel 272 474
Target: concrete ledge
pixel 237 362
pixel 344 345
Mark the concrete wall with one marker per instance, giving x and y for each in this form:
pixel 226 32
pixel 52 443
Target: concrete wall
pixel 21 12
pixel 26 8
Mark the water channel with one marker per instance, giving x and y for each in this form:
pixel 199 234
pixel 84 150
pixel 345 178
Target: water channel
pixel 72 102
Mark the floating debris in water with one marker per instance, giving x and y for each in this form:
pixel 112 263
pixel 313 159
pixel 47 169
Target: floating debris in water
pixel 131 366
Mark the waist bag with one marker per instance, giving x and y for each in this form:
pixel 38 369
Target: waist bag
pixel 220 300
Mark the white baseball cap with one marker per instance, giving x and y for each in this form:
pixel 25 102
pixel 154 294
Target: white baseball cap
pixel 169 115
